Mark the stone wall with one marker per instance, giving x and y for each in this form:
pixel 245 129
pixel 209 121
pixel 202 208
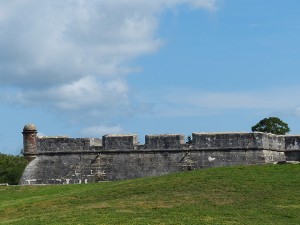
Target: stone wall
pixel 292 146
pixel 61 160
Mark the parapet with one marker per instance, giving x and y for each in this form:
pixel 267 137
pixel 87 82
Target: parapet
pixel 256 140
pixel 120 141
pixel 34 145
pixel 292 142
pixel 273 141
pixel 62 144
pixel 164 141
pixel 292 148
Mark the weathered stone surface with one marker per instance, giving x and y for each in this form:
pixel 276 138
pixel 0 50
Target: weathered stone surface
pixel 30 141
pixel 86 168
pixel 29 127
pixel 120 141
pixel 292 143
pixel 62 160
pixel 273 142
pixel 63 144
pixel 95 142
pixel 292 146
pixel 164 141
pixel 227 140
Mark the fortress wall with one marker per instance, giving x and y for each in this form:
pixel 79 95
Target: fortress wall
pixel 110 166
pixel 64 160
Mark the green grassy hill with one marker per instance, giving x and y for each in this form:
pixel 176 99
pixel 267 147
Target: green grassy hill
pixel 229 195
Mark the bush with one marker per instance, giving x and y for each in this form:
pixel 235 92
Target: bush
pixel 11 168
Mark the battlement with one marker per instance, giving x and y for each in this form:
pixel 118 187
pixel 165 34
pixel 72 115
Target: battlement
pixel 164 141
pixel 120 141
pixel 62 144
pixel 254 140
pixel 64 160
pixel 161 142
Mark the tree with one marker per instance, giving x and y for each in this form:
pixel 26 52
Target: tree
pixel 272 125
pixel 11 168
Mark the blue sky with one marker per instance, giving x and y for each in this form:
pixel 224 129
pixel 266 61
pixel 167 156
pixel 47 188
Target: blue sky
pixel 88 68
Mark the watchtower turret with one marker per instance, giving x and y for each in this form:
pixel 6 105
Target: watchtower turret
pixel 29 141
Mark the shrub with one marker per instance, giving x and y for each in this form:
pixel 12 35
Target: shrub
pixel 11 168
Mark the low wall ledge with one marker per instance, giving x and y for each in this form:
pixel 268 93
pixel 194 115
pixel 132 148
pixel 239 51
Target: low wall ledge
pixel 153 150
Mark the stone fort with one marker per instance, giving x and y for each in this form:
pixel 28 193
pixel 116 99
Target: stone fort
pixel 63 160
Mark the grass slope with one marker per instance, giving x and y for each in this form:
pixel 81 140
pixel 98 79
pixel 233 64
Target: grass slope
pixel 229 195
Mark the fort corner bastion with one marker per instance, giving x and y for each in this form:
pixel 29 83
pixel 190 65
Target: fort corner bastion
pixel 63 160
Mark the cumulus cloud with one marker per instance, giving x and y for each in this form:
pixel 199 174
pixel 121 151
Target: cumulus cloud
pixel 45 43
pixel 72 56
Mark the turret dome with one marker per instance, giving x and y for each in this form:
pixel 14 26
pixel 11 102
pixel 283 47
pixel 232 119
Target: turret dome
pixel 29 127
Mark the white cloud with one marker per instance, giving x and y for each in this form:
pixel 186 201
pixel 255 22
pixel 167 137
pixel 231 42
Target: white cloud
pixel 84 94
pixel 71 56
pixel 52 42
